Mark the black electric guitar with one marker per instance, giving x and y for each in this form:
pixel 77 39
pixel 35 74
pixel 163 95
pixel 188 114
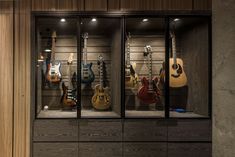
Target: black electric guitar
pixel 69 98
pixel 131 78
pixel 87 75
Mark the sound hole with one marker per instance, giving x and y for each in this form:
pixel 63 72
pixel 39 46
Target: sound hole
pixel 175 66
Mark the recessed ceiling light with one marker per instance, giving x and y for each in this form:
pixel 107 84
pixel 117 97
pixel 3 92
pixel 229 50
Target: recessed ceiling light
pixel 47 50
pixel 145 20
pixel 93 19
pixel 176 19
pixel 63 20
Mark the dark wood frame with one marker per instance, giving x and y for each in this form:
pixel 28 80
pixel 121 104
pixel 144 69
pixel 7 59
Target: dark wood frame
pixel 123 15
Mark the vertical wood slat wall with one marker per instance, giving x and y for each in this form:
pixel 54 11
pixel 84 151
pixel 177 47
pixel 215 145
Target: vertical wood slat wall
pixel 15 54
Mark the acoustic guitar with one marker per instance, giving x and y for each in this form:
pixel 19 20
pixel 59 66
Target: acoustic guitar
pixel 53 74
pixel 177 76
pixel 87 75
pixel 101 98
pixel 69 98
pixel 131 78
pixel 148 93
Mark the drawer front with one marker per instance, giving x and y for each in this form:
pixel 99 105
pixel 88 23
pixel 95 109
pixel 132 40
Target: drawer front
pixel 189 130
pixel 100 130
pixel 55 130
pixel 145 149
pixel 145 130
pixel 55 150
pixel 99 149
pixel 189 150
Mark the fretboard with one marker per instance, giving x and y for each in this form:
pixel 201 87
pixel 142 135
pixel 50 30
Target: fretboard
pixel 101 74
pixel 128 53
pixel 174 50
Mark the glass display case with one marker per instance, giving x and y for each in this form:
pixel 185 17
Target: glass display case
pixel 189 67
pixel 144 57
pixel 122 67
pixel 56 48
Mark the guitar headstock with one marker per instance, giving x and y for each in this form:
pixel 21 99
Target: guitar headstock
pixel 70 59
pixel 54 34
pixel 85 35
pixel 147 50
pixel 100 58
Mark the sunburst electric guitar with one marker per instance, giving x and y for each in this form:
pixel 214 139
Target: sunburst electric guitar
pixel 131 78
pixel 177 76
pixel 87 75
pixel 148 93
pixel 69 92
pixel 53 74
pixel 101 98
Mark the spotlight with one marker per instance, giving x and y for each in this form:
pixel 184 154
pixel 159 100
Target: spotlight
pixel 93 19
pixel 145 20
pixel 47 50
pixel 176 19
pixel 63 20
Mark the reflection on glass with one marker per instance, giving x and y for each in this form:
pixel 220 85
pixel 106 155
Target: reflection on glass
pixel 100 68
pixel 144 57
pixel 56 69
pixel 188 67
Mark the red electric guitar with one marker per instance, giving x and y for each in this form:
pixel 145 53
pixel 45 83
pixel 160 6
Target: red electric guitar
pixel 149 92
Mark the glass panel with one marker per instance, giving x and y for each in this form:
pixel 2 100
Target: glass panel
pixel 144 64
pixel 188 67
pixel 101 67
pixel 56 46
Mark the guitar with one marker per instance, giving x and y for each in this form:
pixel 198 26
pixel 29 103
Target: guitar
pixel 131 78
pixel 177 76
pixel 69 92
pixel 101 98
pixel 149 92
pixel 53 69
pixel 87 75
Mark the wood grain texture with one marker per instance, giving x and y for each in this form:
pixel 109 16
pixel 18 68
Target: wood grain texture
pixel 202 4
pixel 177 5
pixel 55 150
pixel 134 5
pixel 100 130
pixel 113 5
pixel 22 79
pixel 100 149
pixel 6 79
pixel 96 5
pixel 189 130
pixel 145 130
pixel 55 130
pixel 146 149
pixel 189 150
pixel 57 5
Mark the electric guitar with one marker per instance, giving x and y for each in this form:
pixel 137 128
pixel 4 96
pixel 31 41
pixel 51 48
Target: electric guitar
pixel 69 92
pixel 131 78
pixel 101 98
pixel 53 69
pixel 177 75
pixel 149 92
pixel 87 75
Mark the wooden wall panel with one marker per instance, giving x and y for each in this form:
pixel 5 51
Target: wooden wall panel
pixel 113 5
pixel 202 4
pixel 57 5
pixel 138 5
pixel 96 5
pixel 177 4
pixel 22 79
pixel 6 78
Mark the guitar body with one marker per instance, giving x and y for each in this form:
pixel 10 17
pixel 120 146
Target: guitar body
pixel 53 73
pixel 101 98
pixel 87 75
pixel 177 75
pixel 147 96
pixel 69 97
pixel 131 78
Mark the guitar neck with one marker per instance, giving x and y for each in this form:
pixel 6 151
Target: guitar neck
pixel 85 51
pixel 174 49
pixel 53 50
pixel 101 75
pixel 128 53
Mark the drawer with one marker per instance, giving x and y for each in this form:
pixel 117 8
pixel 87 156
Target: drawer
pixel 100 149
pixel 145 130
pixel 55 130
pixel 189 150
pixel 100 130
pixel 145 149
pixel 55 150
pixel 189 130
